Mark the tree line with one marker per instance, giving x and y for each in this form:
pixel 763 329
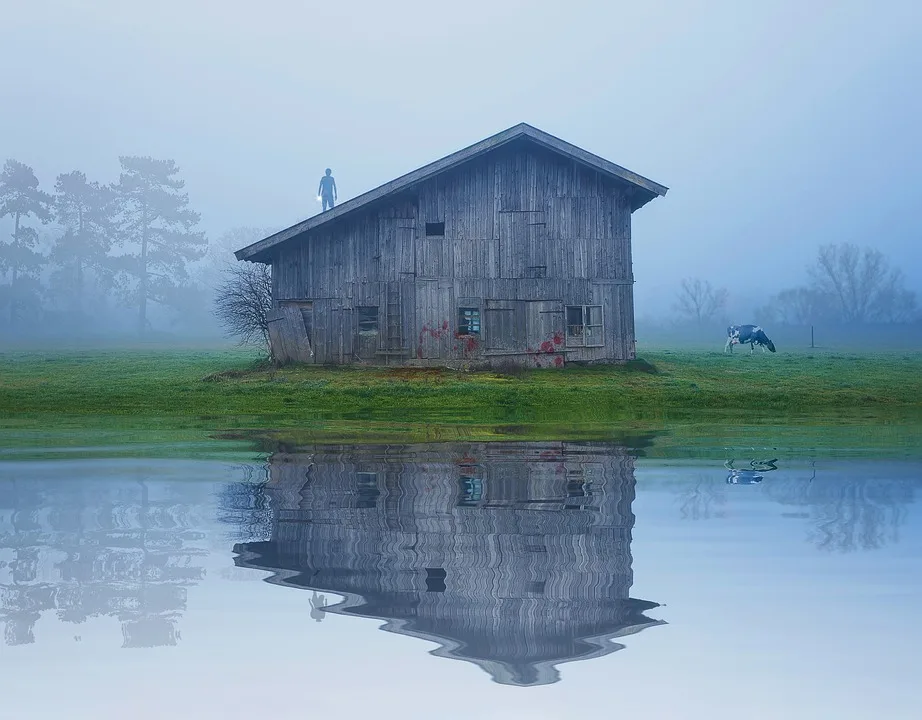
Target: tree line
pixel 847 284
pixel 86 247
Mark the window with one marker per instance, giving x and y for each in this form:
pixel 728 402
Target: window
pixel 435 580
pixel 366 490
pixel 584 326
pixel 471 490
pixel 368 319
pixel 537 271
pixel 468 321
pixel 435 229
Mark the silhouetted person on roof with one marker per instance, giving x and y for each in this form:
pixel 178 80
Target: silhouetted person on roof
pixel 327 190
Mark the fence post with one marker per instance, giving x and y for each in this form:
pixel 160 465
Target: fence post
pixel 811 337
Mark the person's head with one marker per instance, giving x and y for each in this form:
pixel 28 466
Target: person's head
pixel 328 171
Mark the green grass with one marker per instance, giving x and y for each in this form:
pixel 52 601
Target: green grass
pixel 229 389
pixel 682 403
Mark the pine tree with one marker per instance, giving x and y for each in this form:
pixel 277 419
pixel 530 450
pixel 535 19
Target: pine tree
pixel 158 229
pixel 85 210
pixel 21 198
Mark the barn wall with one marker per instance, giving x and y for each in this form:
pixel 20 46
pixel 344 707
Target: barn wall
pixel 526 232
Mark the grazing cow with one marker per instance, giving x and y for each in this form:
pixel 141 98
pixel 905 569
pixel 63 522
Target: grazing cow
pixel 751 334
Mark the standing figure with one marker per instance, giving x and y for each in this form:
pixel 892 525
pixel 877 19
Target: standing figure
pixel 318 603
pixel 327 190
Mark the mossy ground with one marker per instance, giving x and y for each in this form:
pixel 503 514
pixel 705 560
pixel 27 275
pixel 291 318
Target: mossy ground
pixel 232 389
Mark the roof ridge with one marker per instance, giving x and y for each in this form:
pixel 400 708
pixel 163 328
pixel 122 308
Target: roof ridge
pixel 648 189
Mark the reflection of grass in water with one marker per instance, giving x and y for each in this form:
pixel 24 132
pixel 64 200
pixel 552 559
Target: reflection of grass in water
pixel 708 442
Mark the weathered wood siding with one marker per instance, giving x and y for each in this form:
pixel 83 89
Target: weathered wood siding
pixel 524 229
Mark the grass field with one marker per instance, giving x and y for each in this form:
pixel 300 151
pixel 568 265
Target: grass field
pixel 222 389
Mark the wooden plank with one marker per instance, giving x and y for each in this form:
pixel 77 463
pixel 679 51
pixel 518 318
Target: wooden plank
pixel 288 333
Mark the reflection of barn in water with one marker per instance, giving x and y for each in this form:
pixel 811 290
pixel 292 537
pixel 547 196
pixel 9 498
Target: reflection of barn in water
pixel 83 549
pixel 513 556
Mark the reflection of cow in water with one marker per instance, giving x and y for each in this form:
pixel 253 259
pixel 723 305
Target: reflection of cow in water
pixel 751 475
pixel 747 334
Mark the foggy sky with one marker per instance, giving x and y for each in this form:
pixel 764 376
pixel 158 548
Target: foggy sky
pixel 777 126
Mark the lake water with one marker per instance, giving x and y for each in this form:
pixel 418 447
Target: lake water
pixel 463 580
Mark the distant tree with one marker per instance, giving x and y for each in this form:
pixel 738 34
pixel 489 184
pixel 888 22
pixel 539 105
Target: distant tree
pixel 698 301
pixel 219 256
pixel 797 306
pixel 21 199
pixel 860 285
pixel 243 302
pixel 158 229
pixel 86 212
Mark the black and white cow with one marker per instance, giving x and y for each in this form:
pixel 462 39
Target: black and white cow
pixel 752 475
pixel 751 334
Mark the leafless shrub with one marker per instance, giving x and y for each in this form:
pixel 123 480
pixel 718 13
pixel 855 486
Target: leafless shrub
pixel 243 302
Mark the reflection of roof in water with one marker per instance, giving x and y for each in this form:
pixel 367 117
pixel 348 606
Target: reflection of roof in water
pixel 513 556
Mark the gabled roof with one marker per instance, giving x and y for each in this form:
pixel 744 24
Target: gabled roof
pixel 644 190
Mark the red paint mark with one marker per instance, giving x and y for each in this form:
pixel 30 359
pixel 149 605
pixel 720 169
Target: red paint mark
pixel 547 346
pixel 558 361
pixel 434 332
pixel 558 339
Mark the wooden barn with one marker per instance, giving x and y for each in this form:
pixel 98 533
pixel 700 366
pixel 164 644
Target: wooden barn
pixel 517 248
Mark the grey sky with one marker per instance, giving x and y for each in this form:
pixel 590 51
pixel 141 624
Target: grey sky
pixel 778 125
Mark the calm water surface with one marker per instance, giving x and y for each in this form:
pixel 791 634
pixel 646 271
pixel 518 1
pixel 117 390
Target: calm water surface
pixel 500 580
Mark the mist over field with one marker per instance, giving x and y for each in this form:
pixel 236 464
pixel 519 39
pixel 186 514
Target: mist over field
pixel 787 134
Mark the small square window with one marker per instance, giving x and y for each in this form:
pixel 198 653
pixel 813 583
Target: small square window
pixel 435 229
pixel 468 321
pixel 471 491
pixel 435 580
pixel 537 271
pixel 368 319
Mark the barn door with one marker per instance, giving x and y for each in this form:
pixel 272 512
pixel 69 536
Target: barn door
pixel 290 331
pixel 545 326
pixel 434 322
pixel 398 256
pixel 341 335
pixel 504 325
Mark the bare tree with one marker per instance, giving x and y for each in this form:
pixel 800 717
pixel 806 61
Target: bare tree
pixel 699 301
pixel 798 306
pixel 861 285
pixel 243 301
